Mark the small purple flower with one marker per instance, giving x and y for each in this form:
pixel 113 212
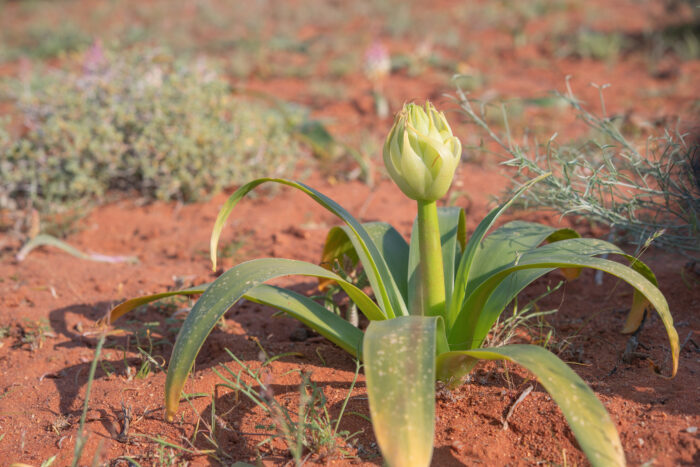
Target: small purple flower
pixel 377 62
pixel 95 58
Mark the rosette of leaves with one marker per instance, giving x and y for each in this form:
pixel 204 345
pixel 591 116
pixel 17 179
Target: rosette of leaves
pixel 405 351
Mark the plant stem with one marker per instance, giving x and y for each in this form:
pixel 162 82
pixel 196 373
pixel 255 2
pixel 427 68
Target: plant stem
pixel 82 437
pixel 432 276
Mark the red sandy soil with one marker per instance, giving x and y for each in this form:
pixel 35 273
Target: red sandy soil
pixel 45 387
pixel 43 384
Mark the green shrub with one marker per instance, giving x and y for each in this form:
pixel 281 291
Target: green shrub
pixel 41 40
pixel 47 42
pixel 645 190
pixel 143 120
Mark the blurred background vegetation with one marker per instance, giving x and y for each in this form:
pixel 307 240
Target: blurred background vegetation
pixel 176 100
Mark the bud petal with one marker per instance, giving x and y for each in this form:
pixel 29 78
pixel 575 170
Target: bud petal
pixel 421 153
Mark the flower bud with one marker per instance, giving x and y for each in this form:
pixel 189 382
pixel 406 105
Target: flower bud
pixel 420 152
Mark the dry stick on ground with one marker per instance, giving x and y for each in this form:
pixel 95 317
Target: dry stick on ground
pixel 123 435
pixel 633 343
pixel 688 339
pixel 517 402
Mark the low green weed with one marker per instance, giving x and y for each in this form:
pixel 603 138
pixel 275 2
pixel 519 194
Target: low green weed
pixel 308 431
pixel 529 317
pixel 34 333
pixel 141 121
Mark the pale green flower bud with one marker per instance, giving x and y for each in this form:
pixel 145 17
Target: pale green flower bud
pixel 420 152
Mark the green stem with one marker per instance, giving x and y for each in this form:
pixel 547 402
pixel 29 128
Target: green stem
pixel 82 436
pixel 432 276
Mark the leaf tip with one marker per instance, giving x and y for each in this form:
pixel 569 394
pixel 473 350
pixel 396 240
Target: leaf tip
pixel 170 415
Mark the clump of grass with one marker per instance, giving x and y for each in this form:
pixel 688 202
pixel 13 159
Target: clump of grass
pixel 309 431
pixel 530 318
pixel 596 45
pixel 33 334
pixel 150 341
pixel 138 120
pixel 647 191
pixel 682 40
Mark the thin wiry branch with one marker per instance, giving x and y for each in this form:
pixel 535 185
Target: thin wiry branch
pixel 608 180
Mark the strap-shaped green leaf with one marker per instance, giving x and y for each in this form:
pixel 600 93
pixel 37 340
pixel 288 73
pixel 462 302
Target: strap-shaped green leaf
pixel 325 322
pixel 125 307
pixel 565 234
pixel 587 417
pixel 514 283
pixel 465 264
pixel 595 247
pixel 328 324
pixel 639 302
pixel 453 239
pixel 389 242
pixel 400 369
pixel 378 274
pixel 501 248
pixel 223 293
pixel 506 243
pixel 474 323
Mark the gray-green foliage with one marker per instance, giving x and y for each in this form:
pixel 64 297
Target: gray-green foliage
pixel 145 121
pixel 42 39
pixel 644 190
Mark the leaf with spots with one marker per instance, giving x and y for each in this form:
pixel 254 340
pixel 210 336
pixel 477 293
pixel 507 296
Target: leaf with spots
pixel 328 324
pixel 400 370
pixel 378 273
pixel 475 320
pixel 222 294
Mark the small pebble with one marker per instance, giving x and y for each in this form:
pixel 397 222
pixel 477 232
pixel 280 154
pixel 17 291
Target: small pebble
pixel 692 429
